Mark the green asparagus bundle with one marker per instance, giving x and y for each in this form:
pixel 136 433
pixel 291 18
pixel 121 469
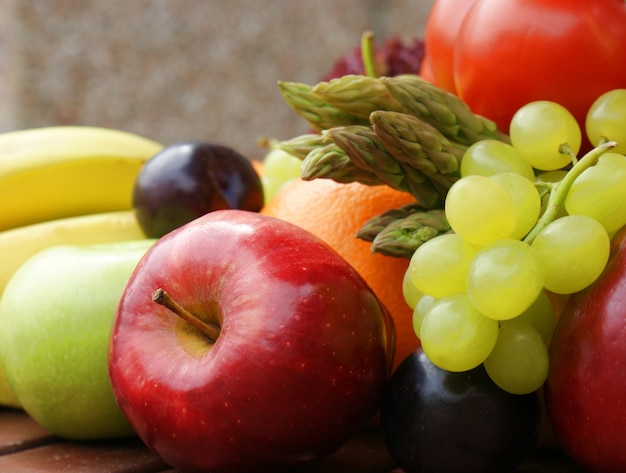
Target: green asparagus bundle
pixel 349 100
pixel 421 146
pixel 398 131
pixel 397 150
pixel 366 150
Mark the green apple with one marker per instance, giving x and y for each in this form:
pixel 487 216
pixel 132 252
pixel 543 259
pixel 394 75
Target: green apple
pixel 56 315
pixel 7 398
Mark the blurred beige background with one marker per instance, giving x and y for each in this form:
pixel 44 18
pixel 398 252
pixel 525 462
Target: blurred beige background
pixel 175 70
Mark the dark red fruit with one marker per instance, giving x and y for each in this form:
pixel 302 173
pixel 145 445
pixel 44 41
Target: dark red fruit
pixel 186 180
pixel 586 386
pixel 438 421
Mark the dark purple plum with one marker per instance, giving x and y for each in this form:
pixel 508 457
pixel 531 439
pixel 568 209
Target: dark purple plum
pixel 186 180
pixel 438 421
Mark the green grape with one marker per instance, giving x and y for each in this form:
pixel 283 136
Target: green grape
pixel 574 250
pixel 519 360
pixel 271 186
pixel 488 157
pixel 410 293
pixel 455 336
pixel 419 312
pixel 538 129
pixel 279 167
pixel 599 192
pixel 540 315
pixel 480 210
pixel 526 199
pixel 551 176
pixel 439 266
pixel 504 279
pixel 607 118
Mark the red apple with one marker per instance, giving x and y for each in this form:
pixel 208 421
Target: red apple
pixel 586 387
pixel 266 350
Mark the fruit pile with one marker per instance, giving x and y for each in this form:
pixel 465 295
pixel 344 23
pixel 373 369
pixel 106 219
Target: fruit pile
pixel 166 306
pixel 208 304
pixel 81 206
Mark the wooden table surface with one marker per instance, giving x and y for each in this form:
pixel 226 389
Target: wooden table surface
pixel 26 447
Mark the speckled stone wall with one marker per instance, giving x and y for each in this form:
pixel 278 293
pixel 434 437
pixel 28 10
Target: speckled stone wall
pixel 175 70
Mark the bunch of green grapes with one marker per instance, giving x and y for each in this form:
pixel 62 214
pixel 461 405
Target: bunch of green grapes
pixel 528 218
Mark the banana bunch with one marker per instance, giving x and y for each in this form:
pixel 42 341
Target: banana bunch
pixel 67 185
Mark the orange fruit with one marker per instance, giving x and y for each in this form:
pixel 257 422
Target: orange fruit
pixel 335 212
pixel 258 166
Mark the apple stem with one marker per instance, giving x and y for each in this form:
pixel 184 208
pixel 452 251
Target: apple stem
pixel 210 331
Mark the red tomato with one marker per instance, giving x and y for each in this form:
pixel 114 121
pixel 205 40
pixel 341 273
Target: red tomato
pixel 442 27
pixel 509 53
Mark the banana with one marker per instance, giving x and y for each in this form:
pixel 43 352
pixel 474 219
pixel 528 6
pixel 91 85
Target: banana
pixel 56 172
pixel 19 244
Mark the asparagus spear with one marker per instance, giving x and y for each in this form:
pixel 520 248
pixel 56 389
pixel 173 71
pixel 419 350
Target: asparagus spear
pixel 331 162
pixel 357 95
pixel 399 232
pixel 315 110
pixel 377 224
pixel 441 109
pixel 300 146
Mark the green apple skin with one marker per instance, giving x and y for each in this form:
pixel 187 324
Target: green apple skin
pixel 7 398
pixel 56 315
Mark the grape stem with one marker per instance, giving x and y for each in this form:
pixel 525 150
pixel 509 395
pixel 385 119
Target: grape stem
pixel 565 149
pixel 367 54
pixel 559 191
